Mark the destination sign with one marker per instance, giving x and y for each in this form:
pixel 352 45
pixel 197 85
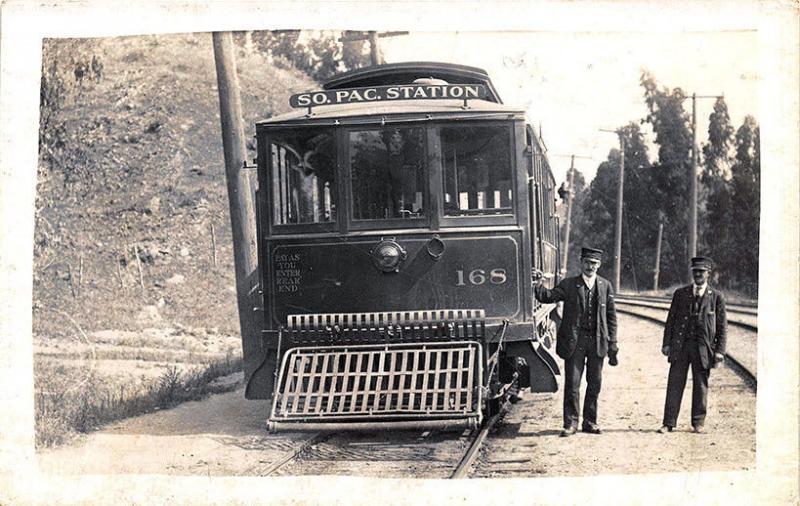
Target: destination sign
pixel 389 93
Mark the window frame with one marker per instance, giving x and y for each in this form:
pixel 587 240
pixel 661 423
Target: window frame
pixel 305 228
pixel 485 219
pixel 351 223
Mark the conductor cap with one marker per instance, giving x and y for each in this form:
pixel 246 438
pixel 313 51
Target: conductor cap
pixel 702 263
pixel 592 254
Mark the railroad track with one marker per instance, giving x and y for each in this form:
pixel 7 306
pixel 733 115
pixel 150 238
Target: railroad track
pixel 466 462
pixel 310 454
pixel 293 453
pixel 738 315
pixel 740 358
pixel 741 307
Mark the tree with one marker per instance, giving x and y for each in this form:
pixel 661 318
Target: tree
pixel 577 233
pixel 715 195
pixel 669 179
pixel 717 152
pixel 640 218
pixel 745 194
pixel 67 69
pixel 729 196
pixel 599 209
pixel 355 53
pixel 315 53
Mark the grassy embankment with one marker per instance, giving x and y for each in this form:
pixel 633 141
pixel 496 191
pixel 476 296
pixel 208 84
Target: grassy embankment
pixel 134 298
pixel 85 380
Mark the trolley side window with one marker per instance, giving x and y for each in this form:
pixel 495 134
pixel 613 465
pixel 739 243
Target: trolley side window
pixel 303 176
pixel 477 170
pixel 387 170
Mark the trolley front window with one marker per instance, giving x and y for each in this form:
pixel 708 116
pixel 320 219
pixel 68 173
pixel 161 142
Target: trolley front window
pixel 477 170
pixel 387 171
pixel 303 176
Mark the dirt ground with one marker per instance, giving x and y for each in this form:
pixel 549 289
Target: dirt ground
pixel 630 411
pixel 221 435
pixel 226 434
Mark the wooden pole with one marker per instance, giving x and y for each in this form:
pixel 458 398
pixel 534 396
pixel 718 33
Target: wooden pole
pixel 240 198
pixel 692 235
pixel 618 227
pixel 693 179
pixel 658 255
pixel 633 256
pixel 570 194
pixel 373 48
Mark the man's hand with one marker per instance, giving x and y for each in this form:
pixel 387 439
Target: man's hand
pixel 536 277
pixel 665 350
pixel 612 358
pixel 718 359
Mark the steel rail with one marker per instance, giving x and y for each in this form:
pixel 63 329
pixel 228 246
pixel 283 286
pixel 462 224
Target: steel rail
pixel 739 307
pixel 633 302
pixel 731 361
pixel 294 452
pixel 463 467
pixel 466 462
pixel 668 297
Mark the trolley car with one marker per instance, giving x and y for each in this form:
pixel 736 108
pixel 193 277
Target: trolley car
pixel 400 211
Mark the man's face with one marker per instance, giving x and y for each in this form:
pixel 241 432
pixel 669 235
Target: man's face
pixel 700 276
pixel 589 267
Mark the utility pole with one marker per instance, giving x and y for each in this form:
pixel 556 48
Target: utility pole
pixel 693 176
pixel 693 184
pixel 239 192
pixel 570 196
pixel 618 224
pixel 374 56
pixel 658 251
pixel 372 37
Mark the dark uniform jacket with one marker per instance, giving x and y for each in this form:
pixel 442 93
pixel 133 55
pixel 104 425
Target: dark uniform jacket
pixel 572 291
pixel 711 331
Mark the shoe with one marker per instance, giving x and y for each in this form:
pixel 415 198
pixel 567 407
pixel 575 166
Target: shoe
pixel 664 429
pixel 568 431
pixel 591 429
pixel 698 429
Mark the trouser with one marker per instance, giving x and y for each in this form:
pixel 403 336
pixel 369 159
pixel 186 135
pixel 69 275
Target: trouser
pixel 585 355
pixel 678 370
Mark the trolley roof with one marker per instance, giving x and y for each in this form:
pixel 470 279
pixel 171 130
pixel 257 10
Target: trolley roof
pixel 407 72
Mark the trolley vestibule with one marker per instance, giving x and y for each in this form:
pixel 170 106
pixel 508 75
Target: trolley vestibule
pixel 400 211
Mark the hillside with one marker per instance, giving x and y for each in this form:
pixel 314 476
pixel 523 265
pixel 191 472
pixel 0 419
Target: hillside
pixel 136 169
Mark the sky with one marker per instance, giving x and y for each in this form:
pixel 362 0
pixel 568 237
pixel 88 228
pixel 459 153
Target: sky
pixel 576 83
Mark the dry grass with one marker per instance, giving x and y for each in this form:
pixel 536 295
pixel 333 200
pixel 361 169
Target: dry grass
pixel 86 379
pixel 73 399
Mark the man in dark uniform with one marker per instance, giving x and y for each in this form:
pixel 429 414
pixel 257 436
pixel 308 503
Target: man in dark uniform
pixel 588 333
pixel 694 335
